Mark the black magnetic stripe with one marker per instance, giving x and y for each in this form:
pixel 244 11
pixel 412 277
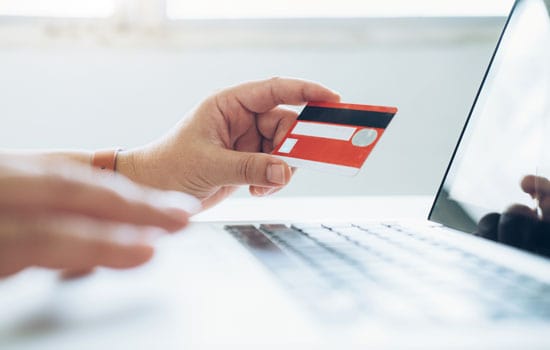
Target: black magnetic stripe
pixel 346 116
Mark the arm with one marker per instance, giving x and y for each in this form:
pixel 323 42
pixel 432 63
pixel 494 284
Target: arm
pixel 223 143
pixel 61 215
pixel 82 157
pixel 57 212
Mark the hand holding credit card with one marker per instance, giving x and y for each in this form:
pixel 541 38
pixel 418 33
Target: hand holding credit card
pixel 334 137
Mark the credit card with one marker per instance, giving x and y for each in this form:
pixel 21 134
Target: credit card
pixel 334 137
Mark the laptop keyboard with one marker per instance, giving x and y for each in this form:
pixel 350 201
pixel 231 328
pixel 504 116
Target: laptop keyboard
pixel 346 271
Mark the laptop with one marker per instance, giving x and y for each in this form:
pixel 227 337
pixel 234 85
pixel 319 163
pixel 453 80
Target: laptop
pixel 479 267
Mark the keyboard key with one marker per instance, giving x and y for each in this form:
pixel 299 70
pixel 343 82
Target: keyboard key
pixel 405 275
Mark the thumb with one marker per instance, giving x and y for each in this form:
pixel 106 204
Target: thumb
pixel 246 168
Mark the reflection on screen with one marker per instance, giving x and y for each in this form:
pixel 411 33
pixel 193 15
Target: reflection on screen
pixel 498 185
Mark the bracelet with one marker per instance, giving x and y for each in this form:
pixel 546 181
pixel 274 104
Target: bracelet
pixel 105 159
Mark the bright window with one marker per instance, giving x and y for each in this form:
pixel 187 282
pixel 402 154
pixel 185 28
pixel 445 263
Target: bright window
pixel 208 9
pixel 198 9
pixel 57 8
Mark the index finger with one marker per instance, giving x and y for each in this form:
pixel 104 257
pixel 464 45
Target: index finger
pixel 536 186
pixel 72 188
pixel 71 242
pixel 264 95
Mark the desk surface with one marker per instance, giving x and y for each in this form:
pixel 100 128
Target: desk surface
pixel 319 208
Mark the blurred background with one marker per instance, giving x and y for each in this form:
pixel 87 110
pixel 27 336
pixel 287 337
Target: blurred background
pixel 93 74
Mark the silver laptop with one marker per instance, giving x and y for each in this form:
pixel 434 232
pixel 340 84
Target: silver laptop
pixel 496 282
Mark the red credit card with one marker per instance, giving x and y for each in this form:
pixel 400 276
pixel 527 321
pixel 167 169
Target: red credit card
pixel 334 137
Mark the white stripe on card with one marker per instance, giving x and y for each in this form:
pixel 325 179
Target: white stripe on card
pixel 327 131
pixel 288 145
pixel 320 166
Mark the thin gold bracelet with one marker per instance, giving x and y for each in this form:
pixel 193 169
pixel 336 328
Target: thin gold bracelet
pixel 105 159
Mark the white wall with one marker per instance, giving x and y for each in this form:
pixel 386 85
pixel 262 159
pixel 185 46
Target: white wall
pixel 64 98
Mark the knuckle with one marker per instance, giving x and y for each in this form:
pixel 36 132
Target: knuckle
pixel 246 169
pixel 219 100
pixel 274 91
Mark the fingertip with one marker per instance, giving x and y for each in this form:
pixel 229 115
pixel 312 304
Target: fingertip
pixel 529 184
pixel 254 191
pixel 176 207
pixel 144 254
pixel 329 95
pixel 133 256
pixel 179 219
pixel 278 173
pixel 179 200
pixel 335 96
pixel 257 191
pixel 273 191
pixel 527 179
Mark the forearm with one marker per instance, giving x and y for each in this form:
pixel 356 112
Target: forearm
pixel 82 157
pixel 141 165
pixel 125 162
pixel 125 165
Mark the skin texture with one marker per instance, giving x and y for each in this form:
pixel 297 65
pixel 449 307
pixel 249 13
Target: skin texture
pixel 57 212
pixel 223 142
pixel 66 216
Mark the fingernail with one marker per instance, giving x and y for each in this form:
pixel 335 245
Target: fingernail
pixel 256 192
pixel 178 215
pixel 271 191
pixel 263 191
pixel 179 200
pixel 276 174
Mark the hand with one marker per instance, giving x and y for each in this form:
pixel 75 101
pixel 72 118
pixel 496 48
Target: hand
pixel 538 188
pixel 216 148
pixel 64 216
pixel 519 225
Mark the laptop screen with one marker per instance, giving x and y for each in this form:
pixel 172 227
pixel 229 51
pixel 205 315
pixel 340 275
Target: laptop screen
pixel 498 183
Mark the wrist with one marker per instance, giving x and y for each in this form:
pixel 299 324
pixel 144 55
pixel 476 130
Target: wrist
pixel 105 159
pixel 144 166
pixel 126 165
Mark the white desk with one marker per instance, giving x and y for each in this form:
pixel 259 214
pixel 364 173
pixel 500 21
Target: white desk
pixel 141 308
pixel 334 209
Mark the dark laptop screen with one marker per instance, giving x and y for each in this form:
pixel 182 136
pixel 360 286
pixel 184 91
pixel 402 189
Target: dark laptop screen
pixel 498 184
